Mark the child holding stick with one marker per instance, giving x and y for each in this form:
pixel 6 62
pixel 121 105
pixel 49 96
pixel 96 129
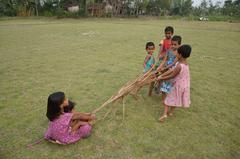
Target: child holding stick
pixel 66 128
pixel 179 96
pixel 149 62
pixel 169 61
pixel 149 59
pixel 165 44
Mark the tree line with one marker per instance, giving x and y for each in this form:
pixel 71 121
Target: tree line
pixel 118 8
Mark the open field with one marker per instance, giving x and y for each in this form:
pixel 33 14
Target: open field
pixel 90 59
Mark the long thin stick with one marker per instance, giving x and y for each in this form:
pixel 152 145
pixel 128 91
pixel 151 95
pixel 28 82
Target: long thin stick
pixel 129 87
pixel 123 102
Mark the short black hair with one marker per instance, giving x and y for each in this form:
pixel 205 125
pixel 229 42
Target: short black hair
pixel 70 107
pixel 149 44
pixel 169 29
pixel 53 106
pixel 177 38
pixel 185 50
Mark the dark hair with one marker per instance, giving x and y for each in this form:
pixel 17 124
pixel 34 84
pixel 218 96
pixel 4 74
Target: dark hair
pixel 53 105
pixel 177 38
pixel 169 29
pixel 149 44
pixel 70 107
pixel 185 50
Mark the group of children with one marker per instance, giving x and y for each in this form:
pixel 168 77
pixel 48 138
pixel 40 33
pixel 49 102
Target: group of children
pixel 172 72
pixel 172 79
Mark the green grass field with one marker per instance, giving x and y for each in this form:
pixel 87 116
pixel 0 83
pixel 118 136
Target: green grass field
pixel 90 59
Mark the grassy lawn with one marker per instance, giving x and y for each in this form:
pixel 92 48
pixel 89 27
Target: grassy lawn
pixel 90 59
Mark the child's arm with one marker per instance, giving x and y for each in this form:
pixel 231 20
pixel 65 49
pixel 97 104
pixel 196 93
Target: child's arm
pixel 153 62
pixel 82 116
pixel 168 75
pixel 146 59
pixel 162 64
pixel 168 72
pixel 75 125
pixel 159 54
pixel 169 66
pixel 161 51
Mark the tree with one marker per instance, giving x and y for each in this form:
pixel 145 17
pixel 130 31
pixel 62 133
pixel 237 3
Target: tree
pixel 212 8
pixel 186 7
pixel 181 7
pixel 156 7
pixel 204 8
pixel 228 7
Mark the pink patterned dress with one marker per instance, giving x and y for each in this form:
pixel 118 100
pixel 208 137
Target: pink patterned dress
pixel 60 130
pixel 179 96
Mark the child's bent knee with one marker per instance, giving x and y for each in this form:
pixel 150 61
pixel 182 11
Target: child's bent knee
pixel 86 130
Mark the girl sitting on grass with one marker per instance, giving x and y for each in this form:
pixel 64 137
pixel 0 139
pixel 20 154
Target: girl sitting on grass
pixel 66 126
pixel 179 95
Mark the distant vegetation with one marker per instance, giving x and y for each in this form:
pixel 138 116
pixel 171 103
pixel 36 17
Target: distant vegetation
pixel 121 8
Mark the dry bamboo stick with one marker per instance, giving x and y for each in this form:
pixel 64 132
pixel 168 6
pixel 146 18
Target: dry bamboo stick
pixel 130 87
pixel 123 102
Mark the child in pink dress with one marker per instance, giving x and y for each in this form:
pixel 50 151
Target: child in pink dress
pixel 179 96
pixel 66 128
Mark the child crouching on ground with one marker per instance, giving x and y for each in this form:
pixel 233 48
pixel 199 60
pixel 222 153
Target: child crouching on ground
pixel 66 126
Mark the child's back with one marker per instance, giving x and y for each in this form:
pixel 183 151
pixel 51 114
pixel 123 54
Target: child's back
pixel 179 96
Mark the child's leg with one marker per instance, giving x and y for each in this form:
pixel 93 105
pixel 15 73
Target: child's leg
pixel 150 89
pixel 85 130
pixel 157 86
pixel 162 118
pixel 75 125
pixel 170 112
pixel 163 97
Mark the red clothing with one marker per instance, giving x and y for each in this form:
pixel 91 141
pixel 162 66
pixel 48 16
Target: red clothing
pixel 166 45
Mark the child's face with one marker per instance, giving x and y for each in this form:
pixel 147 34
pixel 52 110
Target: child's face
pixel 151 49
pixel 179 56
pixel 65 103
pixel 174 45
pixel 168 34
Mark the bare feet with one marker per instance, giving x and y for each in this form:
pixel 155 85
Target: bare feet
pixel 162 118
pixel 169 114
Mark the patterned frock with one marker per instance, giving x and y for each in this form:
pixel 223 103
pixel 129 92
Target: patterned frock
pixel 167 85
pixel 60 130
pixel 179 96
pixel 149 64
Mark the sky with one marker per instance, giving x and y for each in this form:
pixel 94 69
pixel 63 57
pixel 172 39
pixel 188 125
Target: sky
pixel 197 2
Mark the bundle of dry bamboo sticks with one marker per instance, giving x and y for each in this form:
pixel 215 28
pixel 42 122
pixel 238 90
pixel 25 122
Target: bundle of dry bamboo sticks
pixel 131 87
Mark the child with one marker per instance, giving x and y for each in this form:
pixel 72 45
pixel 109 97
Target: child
pixel 179 96
pixel 149 59
pixel 165 43
pixel 66 128
pixel 149 62
pixel 169 60
pixel 164 46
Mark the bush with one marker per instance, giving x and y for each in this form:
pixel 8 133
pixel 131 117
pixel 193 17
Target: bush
pixel 48 14
pixel 61 13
